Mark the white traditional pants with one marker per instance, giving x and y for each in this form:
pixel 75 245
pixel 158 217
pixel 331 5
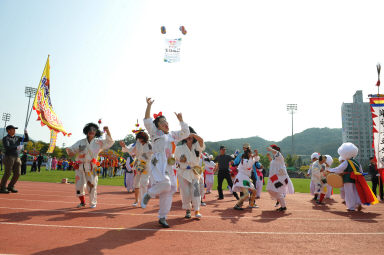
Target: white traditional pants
pixel 89 180
pixel 278 196
pixel 141 182
pixel 312 187
pixel 329 191
pixel 259 186
pixel 209 182
pixel 352 199
pixel 190 194
pixel 164 191
pixel 129 181
pixel 342 193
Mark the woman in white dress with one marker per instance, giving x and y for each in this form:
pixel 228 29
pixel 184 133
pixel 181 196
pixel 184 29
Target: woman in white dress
pixel 279 182
pixel 242 182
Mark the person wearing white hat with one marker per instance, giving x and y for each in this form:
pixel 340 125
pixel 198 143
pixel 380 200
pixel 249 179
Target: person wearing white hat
pixel 349 151
pixel 314 157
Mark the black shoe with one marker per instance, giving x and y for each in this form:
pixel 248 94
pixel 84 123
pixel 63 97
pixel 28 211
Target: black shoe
pixel 220 198
pixel 4 191
pixel 281 209
pixel 320 203
pixel 187 214
pixel 11 189
pixel 236 207
pixel 163 223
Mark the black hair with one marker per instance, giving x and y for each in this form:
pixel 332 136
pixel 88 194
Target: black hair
pixel 322 157
pixel 142 135
pixel 246 154
pixel 156 121
pixel 192 131
pixel 89 126
pixel 207 159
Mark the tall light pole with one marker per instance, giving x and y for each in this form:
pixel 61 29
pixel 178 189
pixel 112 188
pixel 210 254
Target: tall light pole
pixel 29 92
pixel 6 118
pixel 292 108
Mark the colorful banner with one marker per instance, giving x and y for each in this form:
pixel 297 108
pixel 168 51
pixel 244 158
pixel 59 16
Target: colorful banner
pixel 43 107
pixel 53 141
pixel 377 109
pixel 172 50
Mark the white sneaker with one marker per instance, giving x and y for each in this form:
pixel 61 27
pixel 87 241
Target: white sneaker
pixel 203 204
pixel 145 200
pixel 135 204
pixel 93 206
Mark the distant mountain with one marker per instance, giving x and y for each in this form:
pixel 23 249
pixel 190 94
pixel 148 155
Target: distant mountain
pixel 322 140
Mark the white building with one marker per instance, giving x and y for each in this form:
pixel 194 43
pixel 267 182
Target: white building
pixel 357 126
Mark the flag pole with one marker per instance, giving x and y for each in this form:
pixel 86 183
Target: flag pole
pixel 30 113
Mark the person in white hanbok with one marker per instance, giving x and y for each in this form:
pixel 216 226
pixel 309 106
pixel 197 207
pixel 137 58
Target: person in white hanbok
pixel 162 176
pixel 209 173
pixel 86 152
pixel 142 151
pixel 189 172
pixel 242 182
pixel 129 176
pixel 349 151
pixel 319 178
pixel 48 164
pixel 314 157
pixel 279 182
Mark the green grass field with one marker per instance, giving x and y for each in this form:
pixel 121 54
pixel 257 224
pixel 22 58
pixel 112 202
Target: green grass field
pixel 301 185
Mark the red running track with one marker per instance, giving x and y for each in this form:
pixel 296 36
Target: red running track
pixel 43 219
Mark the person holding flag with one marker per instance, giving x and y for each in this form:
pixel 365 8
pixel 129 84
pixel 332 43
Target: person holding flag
pixel 86 152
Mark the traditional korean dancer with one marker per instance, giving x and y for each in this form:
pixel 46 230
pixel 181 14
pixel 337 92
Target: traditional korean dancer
pixel 314 157
pixel 352 176
pixel 243 182
pixel 189 172
pixel 319 178
pixel 163 179
pixel 129 176
pixel 279 182
pixel 258 172
pixel 86 152
pixel 142 151
pixel 209 173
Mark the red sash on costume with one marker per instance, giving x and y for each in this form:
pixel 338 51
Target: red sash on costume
pixel 365 193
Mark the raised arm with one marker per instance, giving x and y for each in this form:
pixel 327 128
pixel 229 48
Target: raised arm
pixel 148 109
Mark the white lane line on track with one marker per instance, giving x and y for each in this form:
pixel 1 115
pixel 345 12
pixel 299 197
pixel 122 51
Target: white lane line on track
pixel 193 231
pixel 257 217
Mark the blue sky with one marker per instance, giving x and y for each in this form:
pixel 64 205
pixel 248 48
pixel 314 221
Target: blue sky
pixel 241 62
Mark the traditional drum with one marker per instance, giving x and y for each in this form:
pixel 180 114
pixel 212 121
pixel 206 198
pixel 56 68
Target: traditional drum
pixel 197 170
pixel 335 180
